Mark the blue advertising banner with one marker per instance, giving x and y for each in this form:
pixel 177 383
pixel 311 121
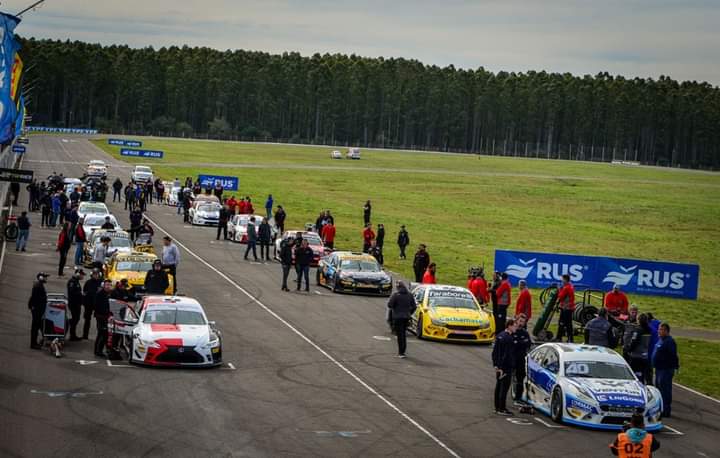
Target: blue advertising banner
pixel 121 142
pixel 18 148
pixel 632 275
pixel 228 183
pixel 141 153
pixel 62 130
pixel 8 48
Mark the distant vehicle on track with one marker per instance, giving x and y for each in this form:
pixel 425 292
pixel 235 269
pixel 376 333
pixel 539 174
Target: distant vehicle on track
pixel 353 153
pixel 336 155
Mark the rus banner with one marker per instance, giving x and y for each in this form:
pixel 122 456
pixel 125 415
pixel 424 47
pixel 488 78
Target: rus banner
pixel 8 49
pixel 637 276
pixel 228 183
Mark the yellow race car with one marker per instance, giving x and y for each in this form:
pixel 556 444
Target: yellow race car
pixel 133 266
pixel 450 313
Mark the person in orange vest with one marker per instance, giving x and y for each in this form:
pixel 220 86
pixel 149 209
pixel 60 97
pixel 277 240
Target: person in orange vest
pixel 634 442
pixel 368 237
pixel 503 293
pixel 524 301
pixel 616 302
pixel 566 300
pixel 429 276
pixel 328 234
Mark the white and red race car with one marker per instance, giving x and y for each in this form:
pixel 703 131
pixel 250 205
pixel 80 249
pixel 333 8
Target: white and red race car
pixel 174 331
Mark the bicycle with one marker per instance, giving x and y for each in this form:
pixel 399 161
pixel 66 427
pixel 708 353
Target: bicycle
pixel 11 228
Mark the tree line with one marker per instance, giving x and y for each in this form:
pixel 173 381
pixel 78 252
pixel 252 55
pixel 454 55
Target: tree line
pixel 357 101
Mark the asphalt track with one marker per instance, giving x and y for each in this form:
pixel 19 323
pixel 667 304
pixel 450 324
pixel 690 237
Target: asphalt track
pixel 305 375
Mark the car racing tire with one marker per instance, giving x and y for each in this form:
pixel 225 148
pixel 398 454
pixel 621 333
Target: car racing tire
pixel 419 328
pixel 335 288
pixel 11 232
pixel 556 405
pixel 317 277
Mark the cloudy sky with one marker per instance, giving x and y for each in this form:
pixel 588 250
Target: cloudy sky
pixel 646 38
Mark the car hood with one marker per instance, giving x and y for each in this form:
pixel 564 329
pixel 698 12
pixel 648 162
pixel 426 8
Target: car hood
pixel 208 214
pixel 461 316
pixel 360 276
pixel 613 391
pixel 132 277
pixel 143 174
pixel 188 335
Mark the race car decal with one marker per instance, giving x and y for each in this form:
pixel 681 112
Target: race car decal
pixel 165 328
pixel 458 294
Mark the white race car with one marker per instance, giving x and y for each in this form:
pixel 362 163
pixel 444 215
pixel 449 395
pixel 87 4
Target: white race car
pixel 205 213
pixel 237 227
pixel 336 155
pixel 174 331
pixel 141 174
pixel 96 168
pixel 92 208
pixel 94 222
pixel 588 386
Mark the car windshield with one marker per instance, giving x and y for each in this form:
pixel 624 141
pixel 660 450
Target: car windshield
pixel 119 242
pixel 93 209
pixel 173 316
pixel 133 266
pixel 598 369
pixel 359 265
pixel 455 299
pixel 98 221
pixel 142 169
pixel 208 208
pixel 313 239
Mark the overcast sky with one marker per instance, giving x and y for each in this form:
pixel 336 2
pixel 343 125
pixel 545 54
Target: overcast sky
pixel 646 38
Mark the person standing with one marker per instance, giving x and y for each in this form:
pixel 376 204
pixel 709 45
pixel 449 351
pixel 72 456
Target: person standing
pixel 524 301
pixel 136 218
pixel 23 224
pixel 328 234
pixel 665 361
pixel 170 259
pixel 64 243
pixel 218 190
pixel 102 313
pixel 80 239
pixel 503 358
pixel 45 210
pixel 366 213
pixel 639 349
pixel 75 301
pixel 129 197
pixel 380 238
pixel 280 216
pixel 251 239
pixel 403 241
pixel 156 279
pixel 616 302
pixel 479 288
pixel 223 222
pixel 522 342
pixel 303 259
pixel 56 205
pixel 286 260
pixel 566 300
pixel 117 190
pixel 37 304
pixel 269 206
pixel 599 331
pixel 90 289
pixel 402 306
pixel 265 239
pixel 368 237
pixel 503 293
pixel 376 253
pixel 421 262
pixel 101 252
pixel 15 192
pixel 429 275
pixel 634 441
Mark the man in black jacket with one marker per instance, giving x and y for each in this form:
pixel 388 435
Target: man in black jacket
pixel 421 262
pixel 303 259
pixel 156 279
pixel 37 304
pixel 223 222
pixel 522 342
pixel 503 358
pixel 403 241
pixel 90 289
pixel 402 305
pixel 75 300
pixel 280 219
pixel 286 259
pixel 102 313
pixel 117 190
pixel 599 331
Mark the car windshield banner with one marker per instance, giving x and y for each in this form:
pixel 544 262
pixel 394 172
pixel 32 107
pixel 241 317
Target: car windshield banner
pixel 636 276
pixel 141 153
pixel 228 183
pixel 121 142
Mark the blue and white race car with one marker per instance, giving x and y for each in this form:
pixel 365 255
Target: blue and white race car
pixel 588 386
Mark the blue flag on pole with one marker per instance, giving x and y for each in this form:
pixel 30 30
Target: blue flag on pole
pixel 8 48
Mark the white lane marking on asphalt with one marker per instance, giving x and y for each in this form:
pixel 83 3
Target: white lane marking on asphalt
pixel 519 421
pixel 384 338
pixel 318 293
pixel 677 433
pixel 710 398
pixel 108 362
pixel 63 394
pixel 701 454
pixel 83 362
pixel 345 434
pixel 317 347
pixel 231 366
pixel 548 424
pixel 26 254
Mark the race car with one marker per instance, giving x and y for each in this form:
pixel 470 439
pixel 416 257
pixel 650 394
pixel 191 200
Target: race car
pixel 336 155
pixel 237 227
pixel 348 272
pixel 71 184
pixel 96 168
pixel 92 208
pixel 133 267
pixel 141 174
pixel 174 331
pixel 205 214
pixel 314 241
pixel 121 322
pixel 450 313
pixel 93 222
pixel 588 386
pixel 119 241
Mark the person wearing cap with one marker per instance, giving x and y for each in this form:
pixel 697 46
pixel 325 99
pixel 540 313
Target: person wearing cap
pixel 123 292
pixel 156 279
pixel 37 304
pixel 102 313
pixel 402 306
pixel 634 441
pixel 403 241
pixel 616 302
pixel 90 289
pixel 524 301
pixel 170 259
pixel 75 300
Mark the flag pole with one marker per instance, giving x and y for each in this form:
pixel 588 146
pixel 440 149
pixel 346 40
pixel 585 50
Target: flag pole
pixel 30 7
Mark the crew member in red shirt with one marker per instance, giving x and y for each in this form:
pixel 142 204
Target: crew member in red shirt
pixel 524 300
pixel 249 206
pixel 242 206
pixel 232 204
pixel 566 300
pixel 328 235
pixel 503 293
pixel 368 237
pixel 616 302
pixel 429 275
pixel 478 286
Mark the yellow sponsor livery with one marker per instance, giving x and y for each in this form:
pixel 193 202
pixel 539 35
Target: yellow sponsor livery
pixel 451 313
pixel 133 267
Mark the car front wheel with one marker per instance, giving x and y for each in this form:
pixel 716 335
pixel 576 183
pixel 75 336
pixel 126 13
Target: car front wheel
pixel 419 327
pixel 556 405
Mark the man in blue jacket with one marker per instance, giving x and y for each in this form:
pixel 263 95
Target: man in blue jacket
pixel 665 361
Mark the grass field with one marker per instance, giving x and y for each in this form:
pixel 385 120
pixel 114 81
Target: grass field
pixel 697 369
pixel 464 207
